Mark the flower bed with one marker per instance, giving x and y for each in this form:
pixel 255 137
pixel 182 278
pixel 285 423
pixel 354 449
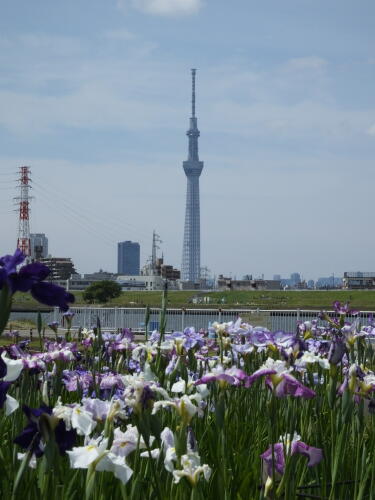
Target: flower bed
pixel 237 412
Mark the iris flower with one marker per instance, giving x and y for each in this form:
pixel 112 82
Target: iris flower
pixel 10 370
pixel 30 279
pixel 274 456
pixel 33 435
pixel 280 381
pixel 96 456
pixel 231 376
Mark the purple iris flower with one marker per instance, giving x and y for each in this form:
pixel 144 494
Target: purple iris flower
pixel 30 278
pixel 78 379
pixel 261 337
pixel 314 455
pixel 290 386
pixel 127 334
pixel 233 376
pixel 284 339
pixel 54 326
pixel 344 308
pixel 279 380
pixel 31 436
pixel 8 265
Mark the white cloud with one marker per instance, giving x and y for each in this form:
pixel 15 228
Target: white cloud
pixel 164 7
pixel 371 130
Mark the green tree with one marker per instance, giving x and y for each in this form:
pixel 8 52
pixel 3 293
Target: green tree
pixel 101 291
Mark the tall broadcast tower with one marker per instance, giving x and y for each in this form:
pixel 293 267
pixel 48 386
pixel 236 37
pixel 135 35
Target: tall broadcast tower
pixel 191 252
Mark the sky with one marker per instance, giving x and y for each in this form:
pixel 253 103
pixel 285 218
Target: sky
pixel 95 98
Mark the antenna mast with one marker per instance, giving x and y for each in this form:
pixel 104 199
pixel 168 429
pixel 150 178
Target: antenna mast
pixel 193 71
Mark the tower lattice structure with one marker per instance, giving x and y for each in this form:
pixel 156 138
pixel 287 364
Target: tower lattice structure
pixel 191 253
pixel 23 241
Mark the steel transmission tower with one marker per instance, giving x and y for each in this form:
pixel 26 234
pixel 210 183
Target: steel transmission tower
pixel 23 241
pixel 191 253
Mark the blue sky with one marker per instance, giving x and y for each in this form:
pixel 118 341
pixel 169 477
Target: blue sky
pixel 95 97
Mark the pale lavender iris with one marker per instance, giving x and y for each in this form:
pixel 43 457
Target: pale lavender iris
pixel 189 336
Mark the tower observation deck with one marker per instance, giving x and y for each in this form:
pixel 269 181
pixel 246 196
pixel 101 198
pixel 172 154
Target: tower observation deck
pixel 190 269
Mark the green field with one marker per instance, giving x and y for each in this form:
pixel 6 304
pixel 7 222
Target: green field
pixel 319 299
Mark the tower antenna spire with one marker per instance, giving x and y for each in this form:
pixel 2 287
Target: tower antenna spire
pixel 193 72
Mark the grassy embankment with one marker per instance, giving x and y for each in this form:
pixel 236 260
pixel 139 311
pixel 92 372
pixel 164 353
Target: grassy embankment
pixel 359 299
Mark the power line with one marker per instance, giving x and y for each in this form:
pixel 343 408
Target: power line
pixel 80 212
pixel 80 207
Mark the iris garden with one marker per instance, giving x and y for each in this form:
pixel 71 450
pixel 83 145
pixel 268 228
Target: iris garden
pixel 235 412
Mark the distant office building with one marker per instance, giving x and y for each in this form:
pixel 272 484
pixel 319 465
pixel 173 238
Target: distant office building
pixel 329 282
pixel 128 258
pixel 295 278
pixel 359 280
pixel 277 277
pixel 39 246
pixel 62 268
pixel 311 284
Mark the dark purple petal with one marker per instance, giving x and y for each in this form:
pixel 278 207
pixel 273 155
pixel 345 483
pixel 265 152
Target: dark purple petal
pixel 10 262
pixel 65 439
pixel 3 277
pixel 28 275
pixel 52 295
pixel 4 386
pixel 30 434
pixel 3 368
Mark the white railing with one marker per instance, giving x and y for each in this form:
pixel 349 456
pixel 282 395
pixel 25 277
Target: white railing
pixel 178 319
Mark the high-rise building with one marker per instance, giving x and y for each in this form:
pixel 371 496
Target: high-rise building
pixel 62 268
pixel 128 258
pixel 39 246
pixel 191 252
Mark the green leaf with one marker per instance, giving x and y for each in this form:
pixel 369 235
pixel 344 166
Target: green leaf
pixel 5 307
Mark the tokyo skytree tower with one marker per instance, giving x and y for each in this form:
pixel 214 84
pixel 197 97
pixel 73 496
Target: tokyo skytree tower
pixel 191 253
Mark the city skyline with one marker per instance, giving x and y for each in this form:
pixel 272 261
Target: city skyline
pixel 94 99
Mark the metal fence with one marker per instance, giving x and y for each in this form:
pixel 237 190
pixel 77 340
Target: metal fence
pixel 178 319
